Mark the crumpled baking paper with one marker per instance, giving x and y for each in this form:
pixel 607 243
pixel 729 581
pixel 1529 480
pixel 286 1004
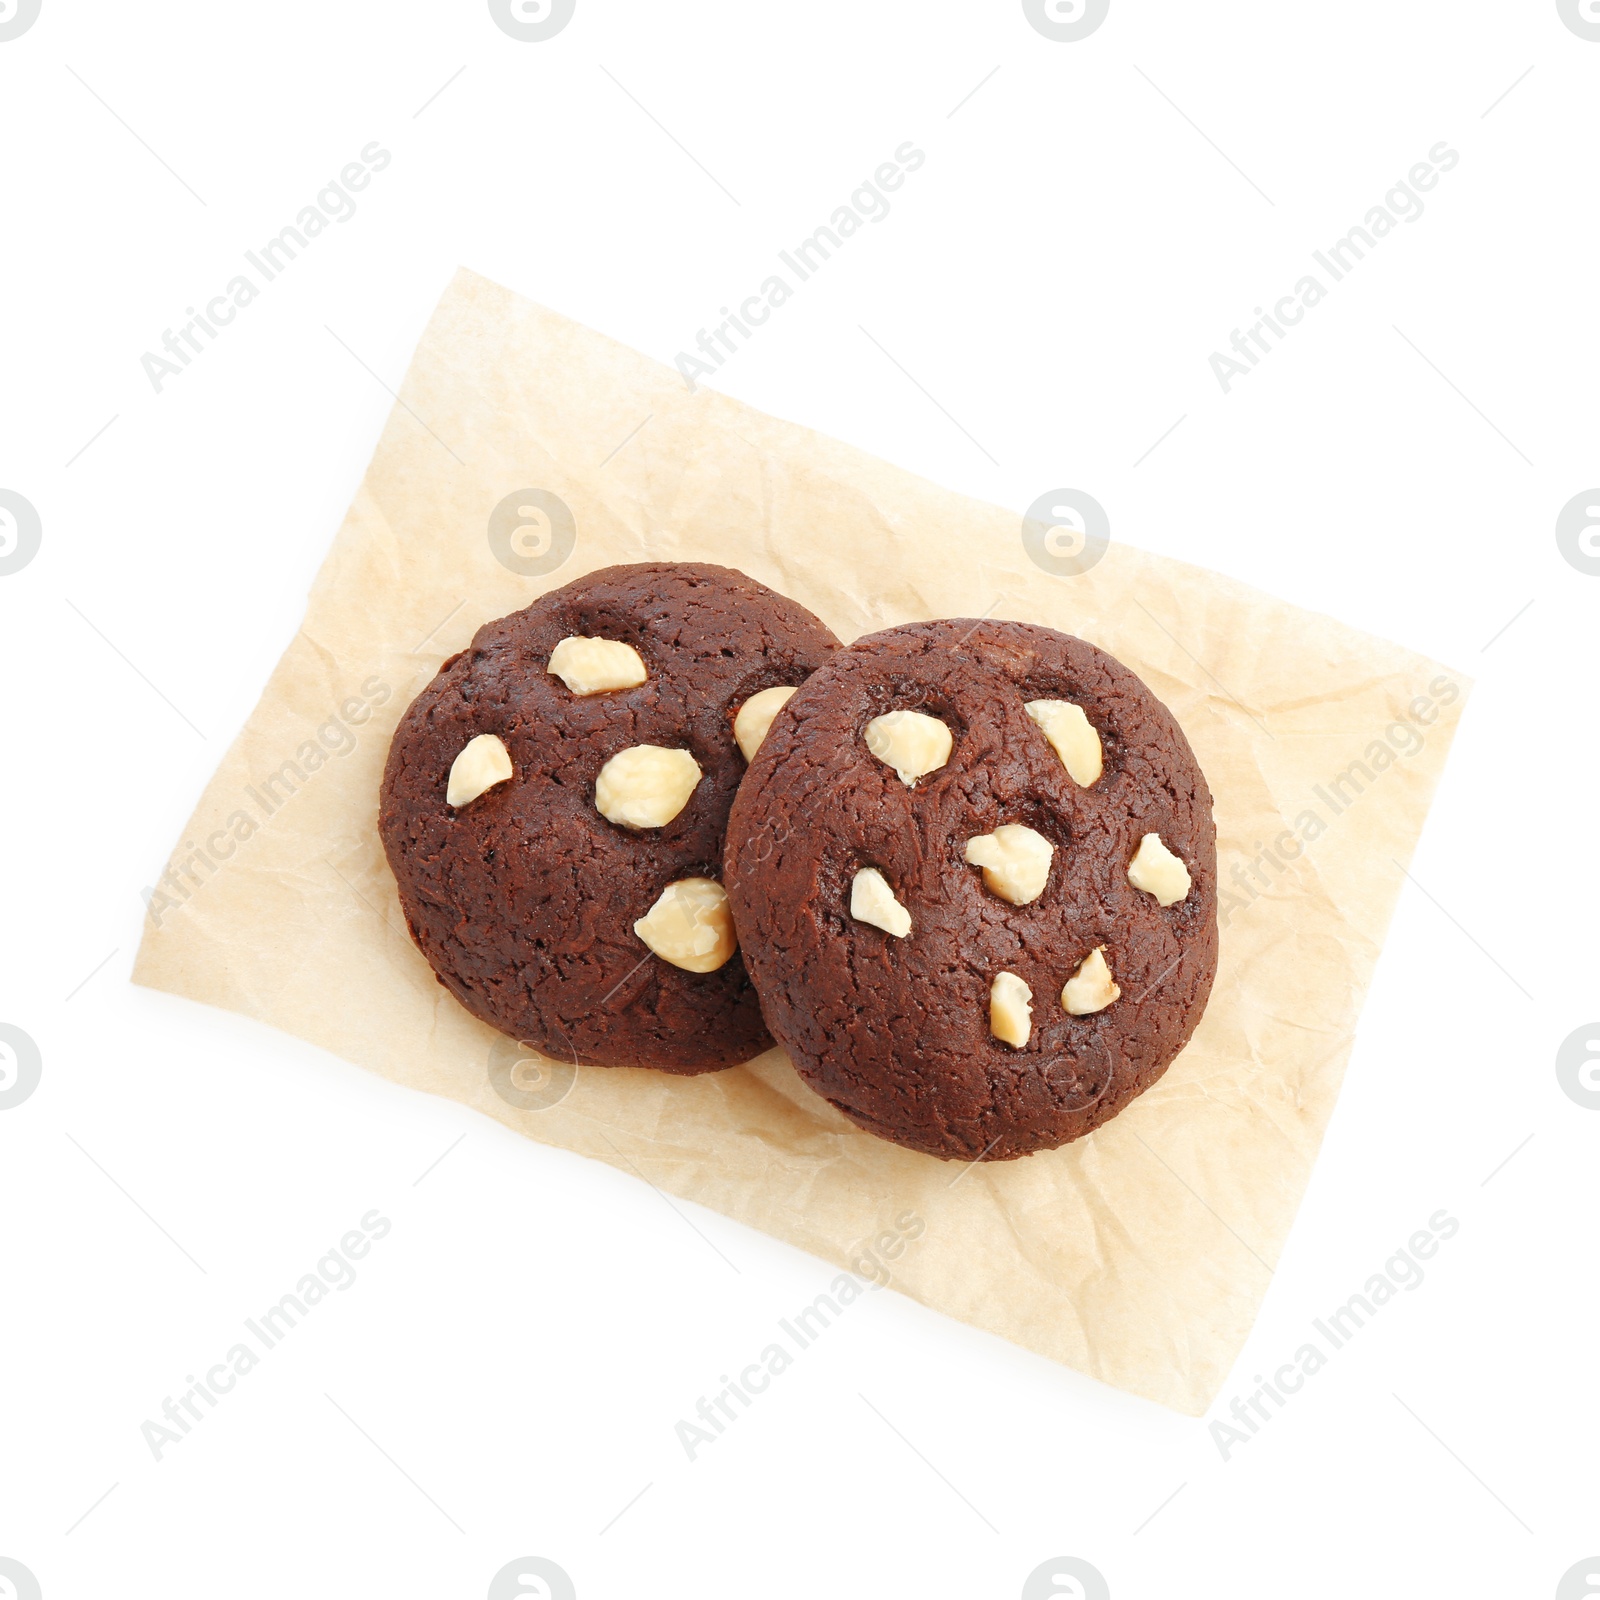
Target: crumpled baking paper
pixel 1138 1255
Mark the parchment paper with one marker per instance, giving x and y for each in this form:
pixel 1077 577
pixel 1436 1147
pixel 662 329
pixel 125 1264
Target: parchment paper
pixel 1140 1254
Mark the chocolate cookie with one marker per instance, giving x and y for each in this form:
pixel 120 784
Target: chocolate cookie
pixel 974 870
pixel 554 807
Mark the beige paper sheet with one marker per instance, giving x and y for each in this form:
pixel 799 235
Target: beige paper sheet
pixel 1139 1255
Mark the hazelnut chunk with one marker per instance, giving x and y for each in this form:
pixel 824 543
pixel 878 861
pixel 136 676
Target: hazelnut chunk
pixel 755 718
pixel 1090 988
pixel 690 925
pixel 591 666
pixel 1010 1009
pixel 481 765
pixel 1015 861
pixel 645 786
pixel 1157 871
pixel 911 742
pixel 1073 735
pixel 872 900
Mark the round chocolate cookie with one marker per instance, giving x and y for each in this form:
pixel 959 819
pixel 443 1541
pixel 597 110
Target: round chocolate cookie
pixel 974 869
pixel 555 802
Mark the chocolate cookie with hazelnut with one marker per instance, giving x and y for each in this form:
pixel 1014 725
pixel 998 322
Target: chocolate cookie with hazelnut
pixel 554 805
pixel 974 869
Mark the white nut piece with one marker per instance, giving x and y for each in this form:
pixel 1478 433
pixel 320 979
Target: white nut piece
pixel 755 718
pixel 481 765
pixel 1015 861
pixel 1010 1009
pixel 911 742
pixel 690 925
pixel 1157 871
pixel 1073 735
pixel 645 786
pixel 872 900
pixel 591 666
pixel 1090 988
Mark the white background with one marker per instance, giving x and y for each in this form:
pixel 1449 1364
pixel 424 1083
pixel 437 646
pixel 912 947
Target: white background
pixel 505 1377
